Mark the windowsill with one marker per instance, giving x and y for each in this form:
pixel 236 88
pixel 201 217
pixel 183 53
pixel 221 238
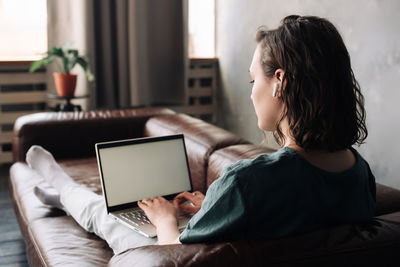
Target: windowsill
pixel 203 59
pixel 22 62
pixel 15 65
pixel 20 59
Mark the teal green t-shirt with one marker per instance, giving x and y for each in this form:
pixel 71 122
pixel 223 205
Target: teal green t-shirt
pixel 281 194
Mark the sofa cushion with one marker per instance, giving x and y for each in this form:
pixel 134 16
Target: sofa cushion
pixel 84 171
pixel 62 242
pixel 201 139
pixel 229 155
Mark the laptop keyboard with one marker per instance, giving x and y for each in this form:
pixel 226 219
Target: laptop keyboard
pixel 136 217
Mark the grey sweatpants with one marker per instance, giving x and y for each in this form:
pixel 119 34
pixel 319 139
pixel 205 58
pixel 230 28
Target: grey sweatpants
pixel 89 211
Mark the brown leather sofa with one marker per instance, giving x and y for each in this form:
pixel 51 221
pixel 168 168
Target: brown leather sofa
pixel 55 239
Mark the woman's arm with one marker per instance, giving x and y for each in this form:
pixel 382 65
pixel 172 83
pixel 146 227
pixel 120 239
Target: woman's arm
pixel 164 216
pixel 167 232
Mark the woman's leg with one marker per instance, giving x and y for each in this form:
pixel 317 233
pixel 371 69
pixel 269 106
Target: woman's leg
pixel 86 207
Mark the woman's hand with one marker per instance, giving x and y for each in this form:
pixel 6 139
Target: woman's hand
pixel 196 198
pixel 159 209
pixel 164 216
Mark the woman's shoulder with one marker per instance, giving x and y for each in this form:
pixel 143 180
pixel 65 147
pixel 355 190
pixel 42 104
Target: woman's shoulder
pixel 263 163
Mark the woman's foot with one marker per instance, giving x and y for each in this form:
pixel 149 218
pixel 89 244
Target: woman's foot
pixel 48 196
pixel 44 163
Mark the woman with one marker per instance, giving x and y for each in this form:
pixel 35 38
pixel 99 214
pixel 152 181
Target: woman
pixel 305 92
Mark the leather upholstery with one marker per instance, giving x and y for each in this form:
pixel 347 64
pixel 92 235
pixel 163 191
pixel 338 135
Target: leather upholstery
pixel 72 134
pixel 372 244
pixel 387 199
pixel 52 238
pixel 62 242
pixel 201 139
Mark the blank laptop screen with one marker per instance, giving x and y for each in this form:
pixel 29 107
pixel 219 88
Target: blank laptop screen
pixel 132 172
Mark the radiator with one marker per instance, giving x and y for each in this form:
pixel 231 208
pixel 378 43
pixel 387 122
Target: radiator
pixel 21 93
pixel 201 89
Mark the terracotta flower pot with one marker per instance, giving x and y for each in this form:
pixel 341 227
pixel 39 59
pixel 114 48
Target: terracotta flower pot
pixel 65 84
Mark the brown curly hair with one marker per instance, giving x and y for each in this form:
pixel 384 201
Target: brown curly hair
pixel 323 101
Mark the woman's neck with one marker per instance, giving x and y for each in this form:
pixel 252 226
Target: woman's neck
pixel 337 161
pixel 289 140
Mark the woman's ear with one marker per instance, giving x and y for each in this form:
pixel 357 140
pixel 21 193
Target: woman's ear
pixel 279 82
pixel 279 74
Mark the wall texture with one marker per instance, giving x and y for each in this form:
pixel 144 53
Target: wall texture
pixel 371 33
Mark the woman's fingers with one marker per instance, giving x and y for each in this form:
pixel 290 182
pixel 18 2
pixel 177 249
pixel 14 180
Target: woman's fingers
pixel 188 209
pixel 196 198
pixel 142 205
pixel 146 202
pixel 150 201
pixel 181 197
pixel 185 196
pixel 161 199
pixel 179 202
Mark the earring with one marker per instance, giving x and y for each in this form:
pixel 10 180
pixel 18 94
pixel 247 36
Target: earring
pixel 276 87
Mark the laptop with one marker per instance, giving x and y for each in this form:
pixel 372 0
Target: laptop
pixel 131 170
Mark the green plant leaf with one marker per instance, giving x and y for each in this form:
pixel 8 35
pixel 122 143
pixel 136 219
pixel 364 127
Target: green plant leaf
pixel 73 52
pixel 40 63
pixel 85 66
pixel 82 62
pixel 65 65
pixel 71 62
pixel 57 51
pixel 37 65
pixel 90 76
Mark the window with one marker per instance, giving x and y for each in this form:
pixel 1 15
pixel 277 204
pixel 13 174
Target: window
pixel 201 28
pixel 23 29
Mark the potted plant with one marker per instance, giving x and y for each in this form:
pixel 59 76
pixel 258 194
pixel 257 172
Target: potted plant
pixel 65 81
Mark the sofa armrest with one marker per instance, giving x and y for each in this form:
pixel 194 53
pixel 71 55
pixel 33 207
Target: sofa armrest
pixel 73 134
pixel 387 200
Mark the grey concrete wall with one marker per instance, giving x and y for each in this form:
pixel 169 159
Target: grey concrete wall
pixel 371 31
